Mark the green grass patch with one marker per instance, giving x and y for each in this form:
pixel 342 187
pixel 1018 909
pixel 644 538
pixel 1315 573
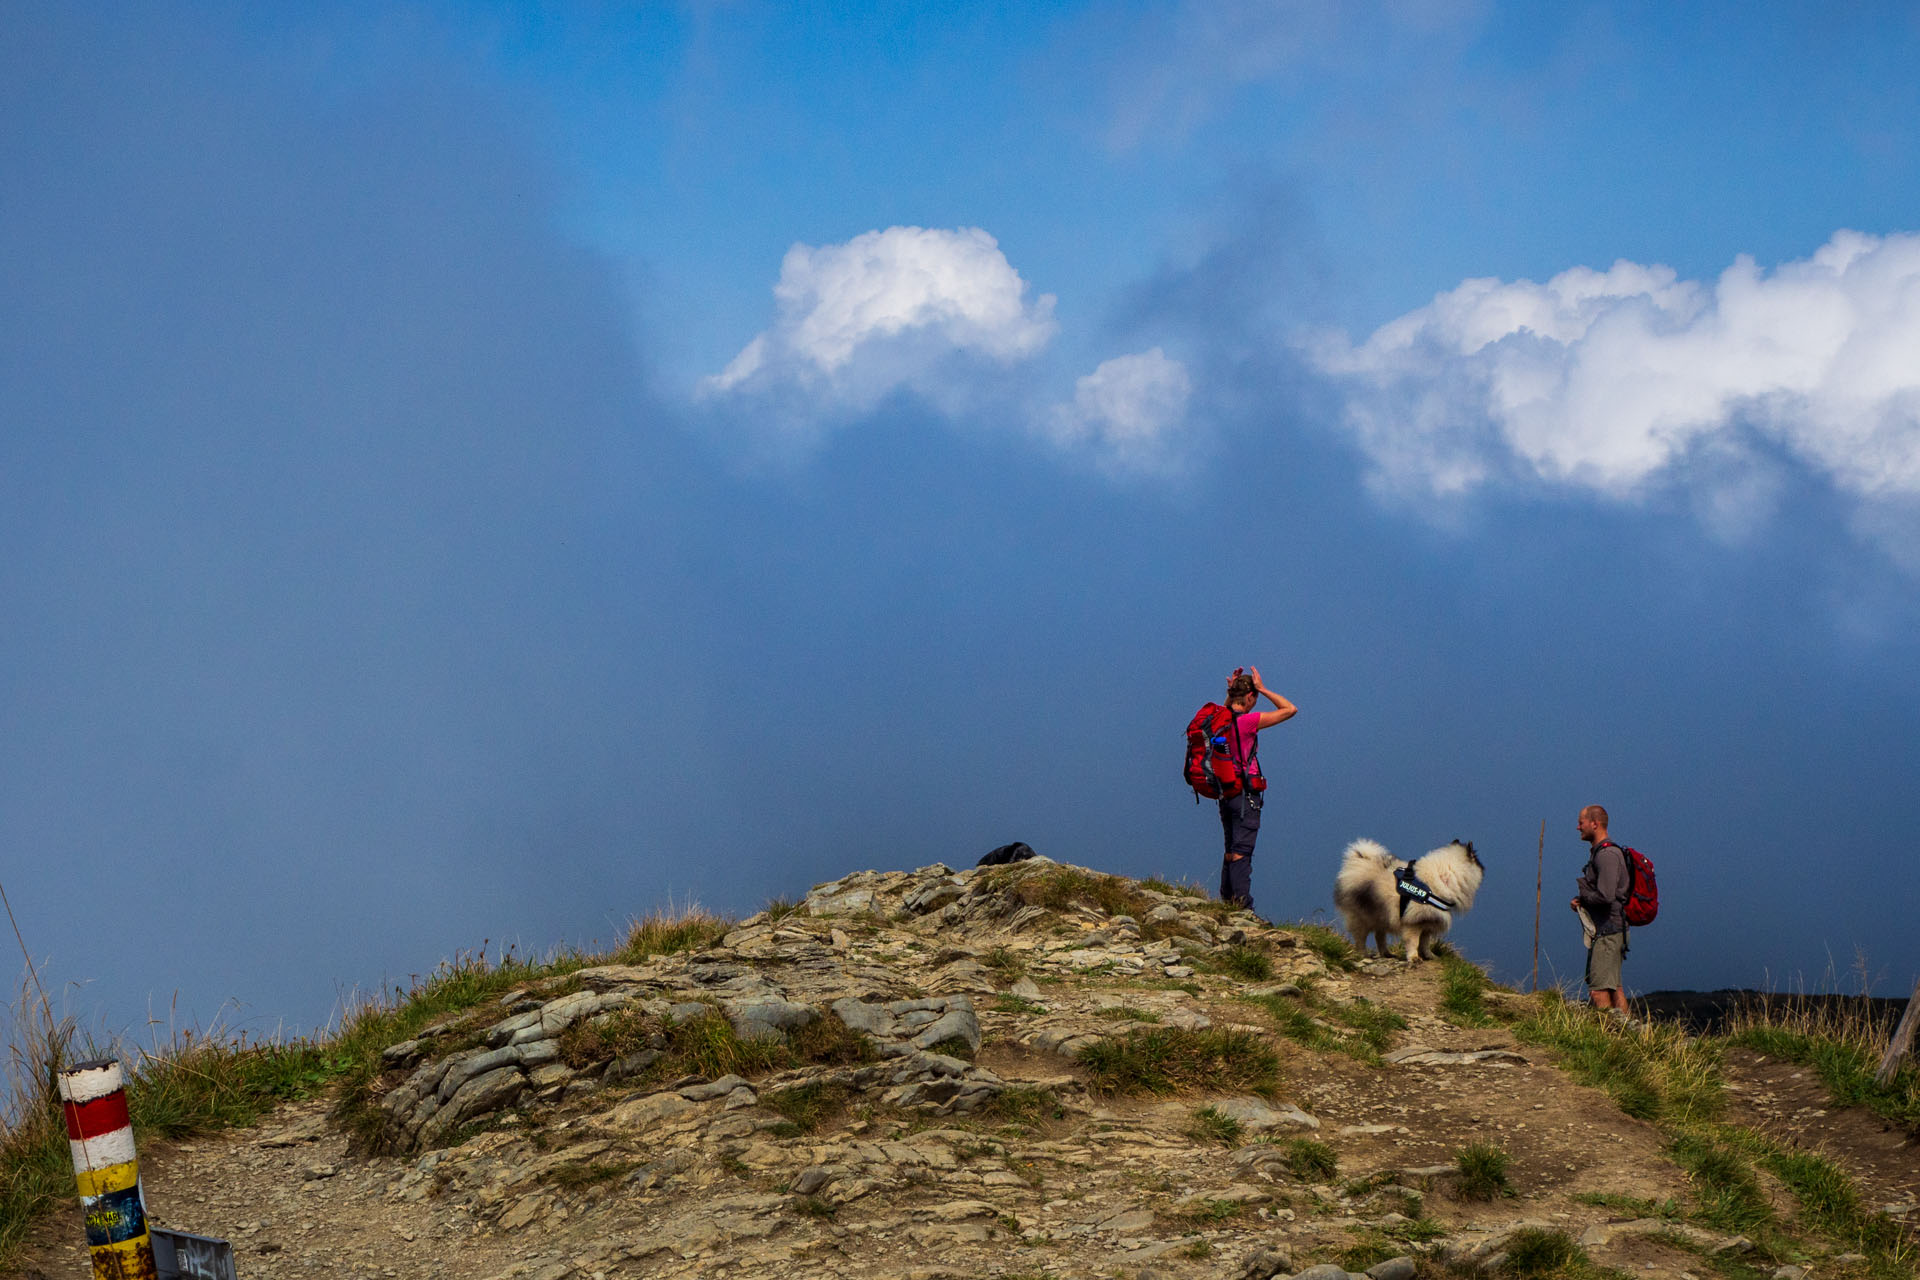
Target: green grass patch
pixel 1369 1248
pixel 1210 1124
pixel 578 1177
pixel 601 1039
pixel 1294 1020
pixel 1726 1193
pixel 1248 963
pixel 1536 1253
pixel 1373 1023
pixel 1059 888
pixel 1014 1004
pixel 1181 889
pixel 1165 1060
pixel 1127 1013
pixel 1482 1170
pixel 1463 991
pixel 779 909
pixel 1632 1206
pixel 664 933
pixel 1304 1019
pixel 804 1107
pixel 1009 964
pixel 1652 1072
pixel 1310 1160
pixel 1419 1229
pixel 1027 1105
pixel 1208 1211
pixel 953 1047
pixel 1334 949
pixel 1830 1205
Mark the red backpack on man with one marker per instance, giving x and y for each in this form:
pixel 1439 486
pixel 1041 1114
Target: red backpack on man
pixel 1217 764
pixel 1643 893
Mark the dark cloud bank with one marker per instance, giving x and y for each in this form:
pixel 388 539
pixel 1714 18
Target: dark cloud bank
pixel 362 603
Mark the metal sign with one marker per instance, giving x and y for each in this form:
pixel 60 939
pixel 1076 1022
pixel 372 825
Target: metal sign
pixel 181 1256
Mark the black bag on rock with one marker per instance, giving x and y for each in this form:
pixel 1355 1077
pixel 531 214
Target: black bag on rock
pixel 1018 851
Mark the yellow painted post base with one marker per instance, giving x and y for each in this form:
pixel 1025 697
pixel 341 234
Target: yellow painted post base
pixel 126 1260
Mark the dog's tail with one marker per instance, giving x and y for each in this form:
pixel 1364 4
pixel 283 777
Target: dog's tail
pixel 1371 851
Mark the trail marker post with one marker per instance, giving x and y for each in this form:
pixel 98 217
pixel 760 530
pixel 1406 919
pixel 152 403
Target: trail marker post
pixel 94 1097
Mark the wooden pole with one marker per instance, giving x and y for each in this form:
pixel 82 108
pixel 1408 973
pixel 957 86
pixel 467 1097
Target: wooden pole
pixel 1539 875
pixel 1902 1038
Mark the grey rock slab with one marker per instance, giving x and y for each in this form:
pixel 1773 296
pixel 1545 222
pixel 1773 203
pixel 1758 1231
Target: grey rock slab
pixel 1265 1263
pixel 814 1177
pixel 608 976
pixel 631 1065
pixel 932 897
pixel 645 1112
pixel 851 902
pixel 1253 1113
pixel 1414 1055
pixel 873 1019
pixel 959 1210
pixel 463 1069
pixel 1132 1222
pixel 712 1089
pixel 1401 1268
pixel 479 1096
pixel 1234 1193
pixel 954 1024
pixel 503 1032
pixel 767 1017
pixel 1025 988
pixel 1323 1271
pixel 402 1054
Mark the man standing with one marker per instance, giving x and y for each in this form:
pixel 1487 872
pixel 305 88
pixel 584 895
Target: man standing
pixel 1240 814
pixel 1601 893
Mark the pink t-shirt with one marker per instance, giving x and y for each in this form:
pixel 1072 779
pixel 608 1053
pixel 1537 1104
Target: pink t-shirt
pixel 1249 723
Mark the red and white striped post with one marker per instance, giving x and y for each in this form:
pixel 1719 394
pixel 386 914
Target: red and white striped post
pixel 94 1097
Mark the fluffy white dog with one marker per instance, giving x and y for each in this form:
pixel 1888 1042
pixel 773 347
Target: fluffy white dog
pixel 1368 895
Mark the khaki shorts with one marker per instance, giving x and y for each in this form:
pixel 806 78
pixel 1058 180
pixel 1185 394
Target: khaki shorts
pixel 1603 961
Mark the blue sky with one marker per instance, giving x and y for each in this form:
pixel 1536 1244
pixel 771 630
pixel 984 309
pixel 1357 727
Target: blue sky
pixel 482 472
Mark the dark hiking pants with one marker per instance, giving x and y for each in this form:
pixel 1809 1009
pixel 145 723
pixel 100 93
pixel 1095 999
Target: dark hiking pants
pixel 1240 824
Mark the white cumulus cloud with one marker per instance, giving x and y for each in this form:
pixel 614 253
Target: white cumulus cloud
pixel 1603 379
pixel 905 308
pixel 1127 413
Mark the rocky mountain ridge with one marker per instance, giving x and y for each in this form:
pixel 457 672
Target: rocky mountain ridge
pixel 1023 1071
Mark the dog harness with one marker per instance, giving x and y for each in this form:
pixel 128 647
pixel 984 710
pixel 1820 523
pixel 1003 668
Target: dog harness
pixel 1411 889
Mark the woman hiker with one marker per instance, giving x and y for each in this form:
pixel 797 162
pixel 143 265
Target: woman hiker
pixel 1240 814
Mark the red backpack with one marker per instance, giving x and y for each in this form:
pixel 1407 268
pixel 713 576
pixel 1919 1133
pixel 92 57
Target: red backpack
pixel 1643 894
pixel 1215 765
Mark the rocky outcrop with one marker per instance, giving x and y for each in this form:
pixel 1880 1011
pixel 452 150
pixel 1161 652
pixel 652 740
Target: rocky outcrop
pixel 892 1077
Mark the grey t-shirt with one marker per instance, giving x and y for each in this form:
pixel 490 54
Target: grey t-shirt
pixel 1603 887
